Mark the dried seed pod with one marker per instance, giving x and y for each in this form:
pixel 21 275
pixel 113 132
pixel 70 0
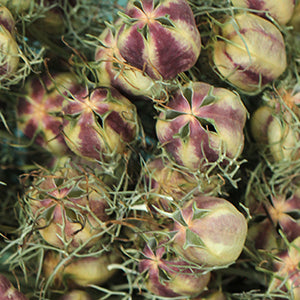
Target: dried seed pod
pixel 8 291
pixel 7 20
pixel 39 110
pixel 113 70
pixel 282 211
pixel 68 207
pixel 163 178
pixel 17 6
pixel 100 124
pixel 160 37
pixel 249 52
pixel 76 295
pixel 180 278
pixel 192 127
pixel 211 232
pixel 279 10
pixel 287 272
pixel 273 126
pixel 80 272
pixel 9 53
pixel 295 20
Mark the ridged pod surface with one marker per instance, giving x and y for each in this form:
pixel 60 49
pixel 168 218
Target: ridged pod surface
pixel 99 124
pixel 160 37
pixel 183 279
pixel 68 207
pixel 113 70
pixel 39 110
pixel 249 52
pixel 279 10
pixel 192 127
pixel 212 231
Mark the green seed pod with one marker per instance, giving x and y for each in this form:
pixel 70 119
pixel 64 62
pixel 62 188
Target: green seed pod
pixel 249 52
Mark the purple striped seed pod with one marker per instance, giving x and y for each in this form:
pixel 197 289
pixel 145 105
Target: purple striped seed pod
pixel 286 276
pixel 212 232
pixel 159 37
pixel 181 279
pixel 39 110
pixel 7 20
pixel 193 129
pixel 112 69
pixel 249 52
pixel 281 211
pixel 68 207
pixel 280 10
pixel 100 124
pixel 8 291
pixel 80 272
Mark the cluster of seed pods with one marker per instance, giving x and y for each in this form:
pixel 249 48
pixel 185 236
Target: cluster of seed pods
pixel 191 227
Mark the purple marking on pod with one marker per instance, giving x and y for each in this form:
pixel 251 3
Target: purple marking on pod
pixel 170 62
pixel 121 127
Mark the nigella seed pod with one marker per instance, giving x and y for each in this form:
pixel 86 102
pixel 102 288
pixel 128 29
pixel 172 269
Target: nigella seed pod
pixel 212 231
pixel 7 20
pixel 249 52
pixel 282 211
pixel 211 295
pixel 287 271
pixel 273 126
pixel 68 207
pixel 17 6
pixel 112 69
pixel 76 295
pixel 192 127
pixel 160 37
pixel 9 54
pixel 100 124
pixel 39 110
pixel 8 291
pixel 164 179
pixel 279 10
pixel 80 272
pixel 295 20
pixel 180 278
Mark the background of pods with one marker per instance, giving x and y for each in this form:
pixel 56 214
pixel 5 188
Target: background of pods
pixel 148 149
